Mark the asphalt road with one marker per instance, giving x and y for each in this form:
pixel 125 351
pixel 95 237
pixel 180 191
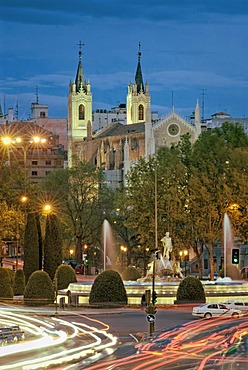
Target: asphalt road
pixel 132 321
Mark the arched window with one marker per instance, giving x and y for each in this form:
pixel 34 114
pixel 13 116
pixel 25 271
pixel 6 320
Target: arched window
pixel 81 111
pixel 141 112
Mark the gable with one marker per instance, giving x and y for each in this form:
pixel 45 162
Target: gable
pixel 169 130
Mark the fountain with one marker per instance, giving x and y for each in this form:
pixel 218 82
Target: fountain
pixel 228 241
pixel 109 253
pixel 219 290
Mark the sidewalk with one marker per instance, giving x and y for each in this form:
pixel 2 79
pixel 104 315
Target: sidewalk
pixel 87 309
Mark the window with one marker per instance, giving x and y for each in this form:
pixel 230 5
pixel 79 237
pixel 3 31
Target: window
pixel 47 173
pixel 222 307
pixel 205 264
pixel 213 306
pixel 34 173
pixel 81 111
pixel 48 163
pixel 42 114
pixel 141 112
pixel 34 163
pixel 134 143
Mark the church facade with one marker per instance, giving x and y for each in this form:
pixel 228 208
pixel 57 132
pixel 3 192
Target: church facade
pixel 118 146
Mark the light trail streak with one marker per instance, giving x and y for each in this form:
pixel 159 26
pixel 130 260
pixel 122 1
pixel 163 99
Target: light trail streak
pixel 50 339
pixel 193 345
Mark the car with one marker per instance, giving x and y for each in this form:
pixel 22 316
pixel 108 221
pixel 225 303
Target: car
pixel 79 269
pixel 209 310
pixel 237 305
pixel 71 263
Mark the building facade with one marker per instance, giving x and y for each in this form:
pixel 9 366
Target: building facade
pixel 33 148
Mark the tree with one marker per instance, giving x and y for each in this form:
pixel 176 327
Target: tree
pixel 196 185
pixel 31 246
pixel 139 201
pixel 218 181
pixel 52 245
pixel 39 232
pixel 19 282
pixel 82 200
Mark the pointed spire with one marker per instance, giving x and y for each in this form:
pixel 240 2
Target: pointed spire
pixel 80 80
pixel 37 95
pixel 138 75
pixel 197 112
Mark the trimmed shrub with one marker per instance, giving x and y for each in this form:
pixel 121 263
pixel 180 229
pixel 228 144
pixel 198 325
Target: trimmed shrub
pixel 108 290
pixel 6 290
pixel 53 243
pixel 19 282
pixel 190 290
pixel 11 274
pixel 31 246
pixel 39 289
pixel 131 273
pixel 65 275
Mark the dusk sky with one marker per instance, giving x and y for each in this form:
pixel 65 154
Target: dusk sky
pixel 188 47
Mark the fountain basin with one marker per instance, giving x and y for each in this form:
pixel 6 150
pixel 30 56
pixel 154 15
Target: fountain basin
pixel 215 291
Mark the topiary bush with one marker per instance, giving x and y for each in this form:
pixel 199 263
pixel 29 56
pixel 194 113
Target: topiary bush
pixel 131 273
pixel 108 290
pixel 11 274
pixel 65 275
pixel 19 282
pixel 6 290
pixel 39 289
pixel 190 290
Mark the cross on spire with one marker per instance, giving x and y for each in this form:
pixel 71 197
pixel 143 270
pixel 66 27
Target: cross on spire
pixel 80 49
pixel 139 52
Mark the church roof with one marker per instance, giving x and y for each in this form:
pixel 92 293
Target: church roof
pixel 118 129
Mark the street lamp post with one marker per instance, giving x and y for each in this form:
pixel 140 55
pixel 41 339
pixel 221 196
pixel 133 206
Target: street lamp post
pixel 6 140
pixel 184 254
pixel 123 251
pixel 156 227
pixel 17 246
pixel 180 257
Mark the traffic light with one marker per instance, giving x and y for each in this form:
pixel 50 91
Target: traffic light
pixel 86 260
pixel 154 298
pixel 235 256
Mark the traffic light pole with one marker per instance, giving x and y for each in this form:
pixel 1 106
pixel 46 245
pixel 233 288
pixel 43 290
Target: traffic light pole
pixel 153 276
pixel 150 310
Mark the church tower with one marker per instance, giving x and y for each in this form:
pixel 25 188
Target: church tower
pixel 138 98
pixel 79 109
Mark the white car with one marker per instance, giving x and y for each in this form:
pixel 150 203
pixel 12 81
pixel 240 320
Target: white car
pixel 209 310
pixel 237 305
